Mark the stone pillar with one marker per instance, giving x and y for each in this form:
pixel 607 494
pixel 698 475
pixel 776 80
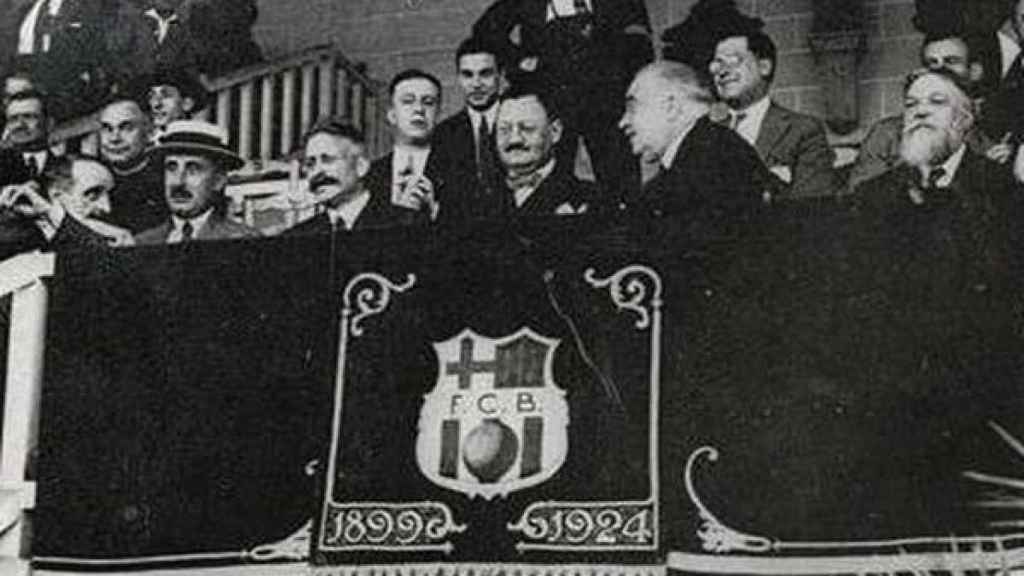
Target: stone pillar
pixel 838 40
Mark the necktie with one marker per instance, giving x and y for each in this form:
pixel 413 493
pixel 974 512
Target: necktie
pixel 163 25
pixel 1015 74
pixel 32 165
pixel 486 163
pixel 736 120
pixel 934 176
pixel 187 232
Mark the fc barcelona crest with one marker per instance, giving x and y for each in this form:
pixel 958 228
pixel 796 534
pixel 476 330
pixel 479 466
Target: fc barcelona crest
pixel 495 421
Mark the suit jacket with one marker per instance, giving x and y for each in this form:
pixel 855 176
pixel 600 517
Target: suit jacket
pixel 454 148
pixel 379 213
pixel 715 185
pixel 73 71
pixel 797 142
pixel 448 183
pixel 137 200
pixel 880 149
pixel 218 227
pixel 560 194
pixel 619 45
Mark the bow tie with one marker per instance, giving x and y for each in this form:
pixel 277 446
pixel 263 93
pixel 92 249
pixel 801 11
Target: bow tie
pixel 528 180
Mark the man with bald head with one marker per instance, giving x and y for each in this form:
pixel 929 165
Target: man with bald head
pixel 709 176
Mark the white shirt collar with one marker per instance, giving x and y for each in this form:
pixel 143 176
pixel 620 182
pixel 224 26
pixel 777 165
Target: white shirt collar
pixel 950 166
pixel 40 155
pixel 564 8
pixel 1009 49
pixel 754 115
pixel 349 211
pixel 523 194
pixel 490 114
pixel 669 156
pixel 401 159
pixel 197 224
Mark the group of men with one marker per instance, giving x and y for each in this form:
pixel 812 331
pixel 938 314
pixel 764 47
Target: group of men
pixel 724 147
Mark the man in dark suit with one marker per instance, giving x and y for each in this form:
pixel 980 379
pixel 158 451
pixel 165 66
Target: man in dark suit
pixel 465 140
pixel 792 145
pixel 536 183
pixel 63 213
pixel 937 246
pixel 880 149
pixel 61 44
pixel 335 164
pixel 587 51
pixel 196 160
pixel 411 174
pixel 711 182
pixel 137 202
pixel 26 130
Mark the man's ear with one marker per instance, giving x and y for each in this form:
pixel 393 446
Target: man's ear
pixel 765 67
pixel 362 166
pixel 556 130
pixel 975 71
pixel 391 116
pixel 188 105
pixel 221 181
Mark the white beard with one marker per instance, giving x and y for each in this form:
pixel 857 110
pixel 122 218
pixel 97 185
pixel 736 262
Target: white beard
pixel 926 145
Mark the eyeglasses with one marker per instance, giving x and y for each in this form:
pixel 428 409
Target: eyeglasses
pixel 725 61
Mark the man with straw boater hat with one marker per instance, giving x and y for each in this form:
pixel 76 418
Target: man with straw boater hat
pixel 196 162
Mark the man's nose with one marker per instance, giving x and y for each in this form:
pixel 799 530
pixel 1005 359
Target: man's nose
pixel 102 205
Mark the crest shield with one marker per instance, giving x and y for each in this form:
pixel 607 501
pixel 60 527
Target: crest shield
pixel 495 421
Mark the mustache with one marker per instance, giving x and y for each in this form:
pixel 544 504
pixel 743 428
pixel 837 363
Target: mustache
pixel 918 126
pixel 515 147
pixel 322 180
pixel 180 193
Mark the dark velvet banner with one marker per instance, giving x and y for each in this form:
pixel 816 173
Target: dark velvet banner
pixel 559 397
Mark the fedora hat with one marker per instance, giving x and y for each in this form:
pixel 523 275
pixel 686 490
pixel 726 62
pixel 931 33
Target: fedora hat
pixel 200 138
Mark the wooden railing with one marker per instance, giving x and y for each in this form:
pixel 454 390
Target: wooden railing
pixel 265 108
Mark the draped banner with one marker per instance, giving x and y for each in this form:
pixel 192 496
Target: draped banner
pixel 570 398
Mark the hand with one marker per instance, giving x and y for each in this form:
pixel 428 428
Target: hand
pixel 417 193
pixel 1018 165
pixel 529 64
pixel 1002 151
pixel 114 236
pixel 26 200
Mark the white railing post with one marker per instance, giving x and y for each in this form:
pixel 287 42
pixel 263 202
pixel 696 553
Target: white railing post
pixel 341 92
pixel 357 105
pixel 287 112
pixel 326 76
pixel 306 97
pixel 266 118
pixel 224 110
pixel 22 279
pixel 245 108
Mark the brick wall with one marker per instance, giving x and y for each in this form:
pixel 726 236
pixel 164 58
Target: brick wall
pixel 390 35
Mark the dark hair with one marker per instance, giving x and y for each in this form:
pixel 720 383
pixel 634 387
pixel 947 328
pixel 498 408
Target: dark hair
pixel 61 168
pixel 410 74
pixel 762 46
pixel 478 45
pixel 29 94
pixel 939 36
pixel 123 97
pixel 335 126
pixel 525 86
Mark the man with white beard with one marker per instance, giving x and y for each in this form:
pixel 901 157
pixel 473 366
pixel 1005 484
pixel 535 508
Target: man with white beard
pixel 946 215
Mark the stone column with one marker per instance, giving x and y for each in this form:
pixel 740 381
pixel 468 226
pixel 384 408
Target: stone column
pixel 838 40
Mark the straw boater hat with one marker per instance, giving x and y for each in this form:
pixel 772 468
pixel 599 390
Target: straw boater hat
pixel 198 137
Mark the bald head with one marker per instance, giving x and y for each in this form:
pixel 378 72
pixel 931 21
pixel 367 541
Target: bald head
pixel 664 99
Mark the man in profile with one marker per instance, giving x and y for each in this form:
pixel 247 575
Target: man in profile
pixel 711 181
pixel 335 163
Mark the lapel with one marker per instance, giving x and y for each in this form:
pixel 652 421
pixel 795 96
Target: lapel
pixel 773 129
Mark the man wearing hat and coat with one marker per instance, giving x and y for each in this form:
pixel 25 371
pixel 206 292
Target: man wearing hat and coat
pixel 196 162
pixel 172 94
